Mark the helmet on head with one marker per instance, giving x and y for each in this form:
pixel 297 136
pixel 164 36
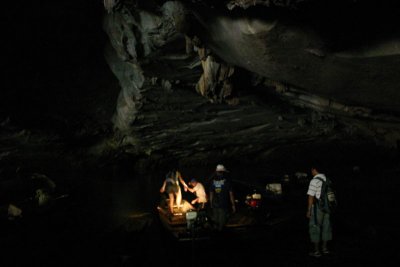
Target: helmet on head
pixel 221 168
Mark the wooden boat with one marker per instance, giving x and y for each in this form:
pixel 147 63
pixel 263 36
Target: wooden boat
pixel 185 224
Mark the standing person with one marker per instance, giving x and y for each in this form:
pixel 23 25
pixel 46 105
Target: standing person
pixel 221 197
pixel 197 188
pixel 173 190
pixel 320 227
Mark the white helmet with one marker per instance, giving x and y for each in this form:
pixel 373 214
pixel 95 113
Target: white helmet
pixel 221 168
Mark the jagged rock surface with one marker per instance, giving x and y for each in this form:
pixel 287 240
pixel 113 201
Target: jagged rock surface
pixel 261 79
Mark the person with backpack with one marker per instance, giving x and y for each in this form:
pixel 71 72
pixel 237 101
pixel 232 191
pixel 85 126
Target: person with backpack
pixel 222 200
pixel 320 227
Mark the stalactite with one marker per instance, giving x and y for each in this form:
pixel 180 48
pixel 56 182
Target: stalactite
pixel 110 4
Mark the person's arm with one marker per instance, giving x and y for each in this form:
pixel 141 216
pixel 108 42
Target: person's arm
pixel 179 176
pixel 191 189
pixel 232 197
pixel 185 186
pixel 183 182
pixel 162 189
pixel 310 202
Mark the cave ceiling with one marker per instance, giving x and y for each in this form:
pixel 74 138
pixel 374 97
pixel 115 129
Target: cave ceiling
pixel 201 80
pixel 246 78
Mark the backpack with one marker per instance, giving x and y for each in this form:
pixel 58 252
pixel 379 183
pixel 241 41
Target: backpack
pixel 327 201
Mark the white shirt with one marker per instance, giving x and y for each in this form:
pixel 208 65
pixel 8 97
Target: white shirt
pixel 314 189
pixel 200 193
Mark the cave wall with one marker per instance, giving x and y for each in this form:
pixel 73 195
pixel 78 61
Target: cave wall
pixel 199 79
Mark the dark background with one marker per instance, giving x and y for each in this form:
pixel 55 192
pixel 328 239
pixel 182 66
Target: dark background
pixel 55 70
pixel 56 79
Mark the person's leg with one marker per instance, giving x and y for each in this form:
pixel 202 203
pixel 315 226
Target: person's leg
pixel 326 233
pixel 218 218
pixel 315 231
pixel 171 202
pixel 325 249
pixel 179 197
pixel 225 215
pixel 223 218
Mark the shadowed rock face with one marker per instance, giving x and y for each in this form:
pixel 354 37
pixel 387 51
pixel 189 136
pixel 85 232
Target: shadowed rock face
pixel 235 79
pixel 294 53
pixel 201 80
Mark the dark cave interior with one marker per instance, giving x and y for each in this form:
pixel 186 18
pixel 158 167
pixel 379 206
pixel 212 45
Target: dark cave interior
pixel 63 100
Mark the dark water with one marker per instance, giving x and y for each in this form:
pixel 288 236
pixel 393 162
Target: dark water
pixel 97 226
